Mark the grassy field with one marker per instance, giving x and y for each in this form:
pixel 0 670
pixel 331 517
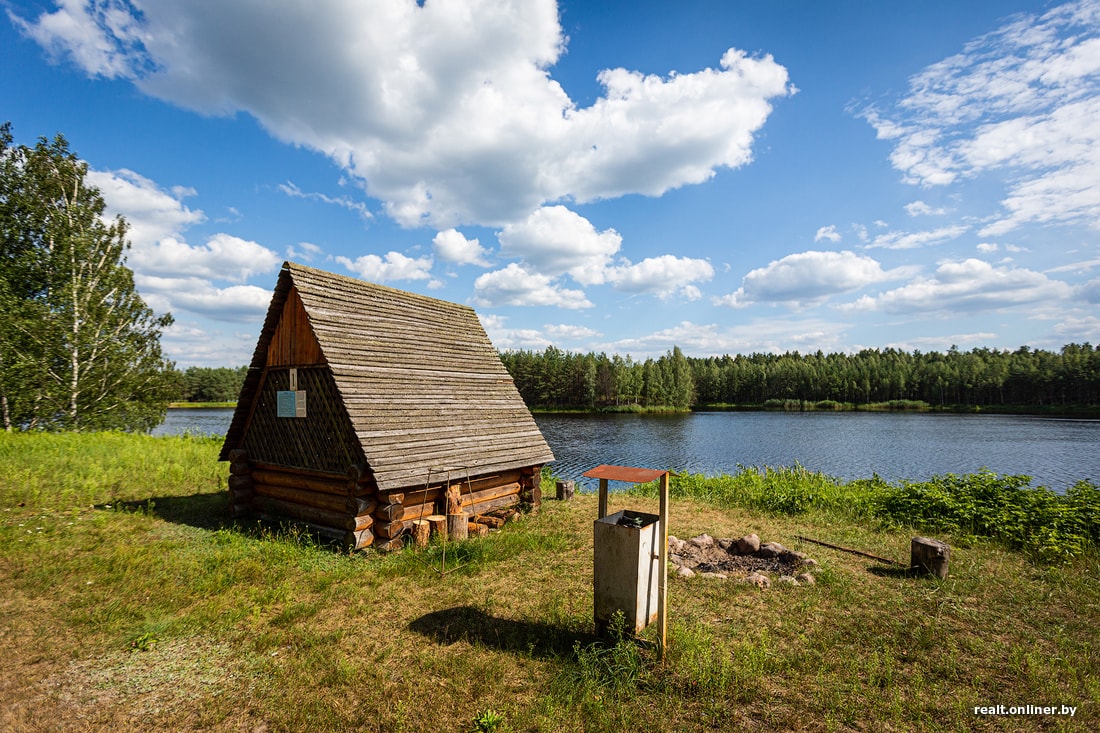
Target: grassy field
pixel 129 604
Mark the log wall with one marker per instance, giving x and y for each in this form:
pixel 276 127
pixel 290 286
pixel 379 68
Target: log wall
pixel 350 510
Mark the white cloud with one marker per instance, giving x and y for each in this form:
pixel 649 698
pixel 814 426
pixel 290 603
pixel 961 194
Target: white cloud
pixel 151 212
pixel 391 266
pixel 223 257
pixel 345 202
pixel 807 277
pixel 566 332
pixel 515 285
pixel 919 208
pixel 663 276
pixel 303 251
pixel 235 304
pixel 452 246
pixel 446 110
pixel 967 286
pixel 827 233
pixel 554 240
pixel 912 240
pixel 1023 99
pixel 988 247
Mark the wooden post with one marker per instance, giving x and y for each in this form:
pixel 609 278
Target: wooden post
pixel 929 556
pixel 457 528
pixel 566 490
pixel 662 583
pixel 421 532
pixel 603 499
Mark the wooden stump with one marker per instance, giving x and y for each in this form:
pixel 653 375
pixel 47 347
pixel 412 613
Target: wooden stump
pixel 477 530
pixel 421 532
pixel 453 496
pixel 566 490
pixel 437 522
pixel 457 528
pixel 929 556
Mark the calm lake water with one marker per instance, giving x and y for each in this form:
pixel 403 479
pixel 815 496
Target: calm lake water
pixel 849 445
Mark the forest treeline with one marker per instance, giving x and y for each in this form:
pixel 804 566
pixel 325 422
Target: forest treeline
pixel 558 379
pixel 207 384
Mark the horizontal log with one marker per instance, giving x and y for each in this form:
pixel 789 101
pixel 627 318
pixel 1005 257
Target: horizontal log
pixel 389 530
pixel 360 505
pixel 474 529
pixel 389 512
pixel 335 521
pixel 240 496
pixel 419 511
pixel 358 539
pixel 480 497
pixel 359 523
pixel 488 521
pixel 243 481
pixel 389 545
pixel 300 496
pixel 391 497
pixel 240 468
pixel 493 504
pixel 299 481
pixel 357 472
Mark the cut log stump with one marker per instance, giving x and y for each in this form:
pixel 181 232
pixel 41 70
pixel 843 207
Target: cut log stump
pixel 566 490
pixel 421 532
pixel 929 557
pixel 438 523
pixel 457 526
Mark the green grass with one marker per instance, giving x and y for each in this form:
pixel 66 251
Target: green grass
pixel 130 603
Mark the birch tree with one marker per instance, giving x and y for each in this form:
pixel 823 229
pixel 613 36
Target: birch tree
pixel 79 348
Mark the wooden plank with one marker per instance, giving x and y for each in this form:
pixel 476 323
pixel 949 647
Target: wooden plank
pixel 289 510
pixel 297 481
pixel 485 506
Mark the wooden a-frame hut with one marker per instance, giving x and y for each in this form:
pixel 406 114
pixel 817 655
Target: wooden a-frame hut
pixel 363 404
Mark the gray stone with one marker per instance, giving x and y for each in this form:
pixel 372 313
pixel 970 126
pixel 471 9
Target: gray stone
pixel 675 559
pixel 770 549
pixel 675 544
pixel 703 541
pixel 719 576
pixel 685 572
pixel 747 545
pixel 810 563
pixel 760 581
pixel 805 579
pixel 787 580
pixel 726 543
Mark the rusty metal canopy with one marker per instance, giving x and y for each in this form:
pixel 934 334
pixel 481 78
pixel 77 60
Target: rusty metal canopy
pixel 624 473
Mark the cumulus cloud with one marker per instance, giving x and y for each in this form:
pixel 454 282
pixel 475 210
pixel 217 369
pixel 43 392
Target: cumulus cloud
pixel 919 208
pixel 664 276
pixel 1024 99
pixel 223 257
pixel 452 246
pixel 806 278
pixel 515 285
pixel 566 332
pixel 446 111
pixel 235 304
pixel 555 240
pixel 971 285
pixel 152 212
pixel 389 267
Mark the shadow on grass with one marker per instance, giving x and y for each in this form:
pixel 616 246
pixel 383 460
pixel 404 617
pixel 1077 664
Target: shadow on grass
pixel 466 623
pixel 204 511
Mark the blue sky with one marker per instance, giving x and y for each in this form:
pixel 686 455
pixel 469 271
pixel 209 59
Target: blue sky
pixel 624 177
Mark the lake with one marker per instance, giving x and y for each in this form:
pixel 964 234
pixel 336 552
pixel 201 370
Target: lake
pixel 849 445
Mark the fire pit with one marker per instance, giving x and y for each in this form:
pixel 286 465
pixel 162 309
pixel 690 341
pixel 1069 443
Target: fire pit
pixel 746 558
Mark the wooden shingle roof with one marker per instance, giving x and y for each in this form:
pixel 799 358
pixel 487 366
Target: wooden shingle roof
pixel 418 378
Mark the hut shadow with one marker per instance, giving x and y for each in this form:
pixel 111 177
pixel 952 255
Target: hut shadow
pixel 467 623
pixel 203 511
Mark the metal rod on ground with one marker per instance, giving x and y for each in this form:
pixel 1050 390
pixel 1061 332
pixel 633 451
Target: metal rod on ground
pixel 886 560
